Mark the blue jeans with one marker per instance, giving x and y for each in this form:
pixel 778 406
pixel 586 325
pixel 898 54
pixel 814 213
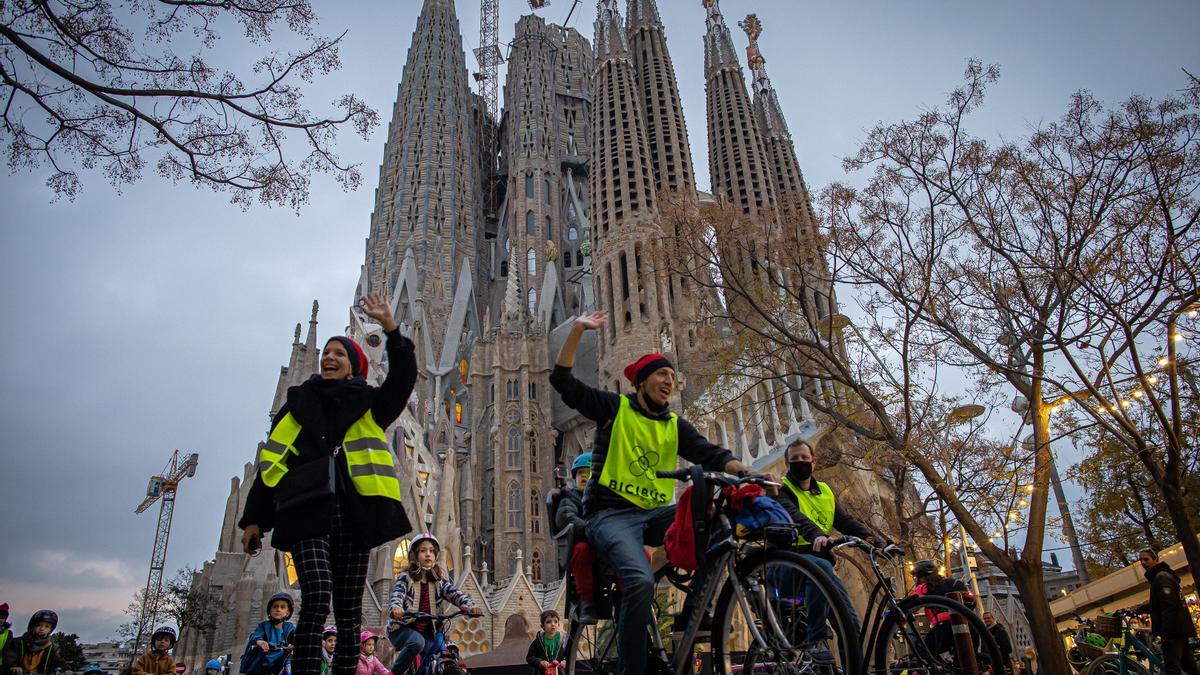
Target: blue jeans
pixel 816 606
pixel 408 644
pixel 618 536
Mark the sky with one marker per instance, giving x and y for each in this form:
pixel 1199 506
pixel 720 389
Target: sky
pixel 156 318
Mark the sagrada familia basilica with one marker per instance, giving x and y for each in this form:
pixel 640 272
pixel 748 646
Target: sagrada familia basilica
pixel 592 143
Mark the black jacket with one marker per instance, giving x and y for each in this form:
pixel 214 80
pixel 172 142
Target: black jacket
pixel 325 409
pixel 537 652
pixel 601 407
pixel 14 654
pixel 842 521
pixel 1000 635
pixel 1169 616
pixel 570 513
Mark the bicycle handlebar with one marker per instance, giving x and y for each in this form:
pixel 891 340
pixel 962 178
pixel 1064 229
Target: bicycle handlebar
pixel 721 477
pixel 414 616
pixel 891 550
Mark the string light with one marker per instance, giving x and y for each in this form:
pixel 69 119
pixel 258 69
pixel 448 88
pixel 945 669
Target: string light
pixel 1163 361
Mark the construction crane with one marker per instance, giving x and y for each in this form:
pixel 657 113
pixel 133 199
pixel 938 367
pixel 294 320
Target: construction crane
pixel 162 486
pixel 489 57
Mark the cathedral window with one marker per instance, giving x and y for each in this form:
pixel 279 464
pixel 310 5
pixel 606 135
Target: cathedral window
pixel 512 389
pixel 529 222
pixel 535 515
pixel 514 506
pixel 546 189
pixel 531 262
pixel 535 565
pixel 504 268
pixel 572 232
pixel 549 228
pixel 533 390
pixel 512 458
pixel 529 185
pixel 532 301
pixel 566 258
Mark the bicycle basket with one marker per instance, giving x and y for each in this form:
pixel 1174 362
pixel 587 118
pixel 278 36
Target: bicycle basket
pixel 1089 652
pixel 1108 626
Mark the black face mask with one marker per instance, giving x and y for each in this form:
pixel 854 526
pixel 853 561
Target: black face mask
pixel 799 471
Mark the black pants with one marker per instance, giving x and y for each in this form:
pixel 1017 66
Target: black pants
pixel 331 570
pixel 1177 654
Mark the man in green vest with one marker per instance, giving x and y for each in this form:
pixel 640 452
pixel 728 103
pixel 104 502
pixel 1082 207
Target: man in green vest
pixel 814 509
pixel 5 627
pixel 627 506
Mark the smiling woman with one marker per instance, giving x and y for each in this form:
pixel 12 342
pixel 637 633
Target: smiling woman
pixel 327 485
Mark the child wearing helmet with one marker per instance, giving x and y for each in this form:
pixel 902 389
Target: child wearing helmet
pixel 421 588
pixel 267 650
pixel 34 652
pixel 213 667
pixel 929 581
pixel 570 524
pixel 158 660
pixel 328 645
pixel 367 663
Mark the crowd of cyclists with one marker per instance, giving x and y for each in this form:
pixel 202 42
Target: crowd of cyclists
pixel 744 547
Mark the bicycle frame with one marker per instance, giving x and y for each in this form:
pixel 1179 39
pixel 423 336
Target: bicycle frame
pixel 1130 642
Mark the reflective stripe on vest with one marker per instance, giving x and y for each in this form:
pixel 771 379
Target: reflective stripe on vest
pixel 818 508
pixel 369 460
pixel 273 455
pixel 637 447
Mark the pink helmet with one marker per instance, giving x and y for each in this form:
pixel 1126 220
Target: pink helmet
pixel 366 635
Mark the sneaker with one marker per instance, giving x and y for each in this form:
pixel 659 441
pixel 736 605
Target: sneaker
pixel 585 613
pixel 818 651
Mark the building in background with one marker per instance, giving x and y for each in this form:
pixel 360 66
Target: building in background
pixel 111 657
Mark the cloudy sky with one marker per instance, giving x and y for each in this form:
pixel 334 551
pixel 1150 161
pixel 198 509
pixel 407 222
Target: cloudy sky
pixel 132 324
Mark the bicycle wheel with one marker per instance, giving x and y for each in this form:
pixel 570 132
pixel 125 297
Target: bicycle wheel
pixel 779 586
pixel 1110 664
pixel 593 649
pixel 907 643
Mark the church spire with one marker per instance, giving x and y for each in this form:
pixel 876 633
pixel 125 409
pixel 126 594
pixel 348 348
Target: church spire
pixel 766 100
pixel 718 45
pixel 610 40
pixel 666 131
pixel 514 311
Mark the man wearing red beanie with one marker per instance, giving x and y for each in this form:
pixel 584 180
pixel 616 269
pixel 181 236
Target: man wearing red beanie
pixel 628 507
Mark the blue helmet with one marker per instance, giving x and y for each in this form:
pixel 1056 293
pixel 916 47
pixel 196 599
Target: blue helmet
pixel 213 665
pixel 93 668
pixel 583 461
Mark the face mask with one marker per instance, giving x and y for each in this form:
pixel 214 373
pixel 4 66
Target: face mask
pixel 799 471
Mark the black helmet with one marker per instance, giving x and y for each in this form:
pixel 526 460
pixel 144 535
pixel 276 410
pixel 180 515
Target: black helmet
pixel 924 568
pixel 286 597
pixel 164 630
pixel 47 615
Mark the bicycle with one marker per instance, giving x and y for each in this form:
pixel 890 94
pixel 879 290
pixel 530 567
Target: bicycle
pixel 892 628
pixel 741 581
pixel 446 658
pixel 1130 650
pixel 1086 645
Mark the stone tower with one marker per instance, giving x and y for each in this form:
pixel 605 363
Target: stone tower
pixel 425 242
pixel 625 220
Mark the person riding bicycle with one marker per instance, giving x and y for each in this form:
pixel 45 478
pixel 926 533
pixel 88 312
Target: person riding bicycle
pixel 266 650
pixel 34 652
pixel 424 585
pixel 1170 620
pixel 627 506
pixel 930 582
pixel 814 509
pixel 158 660
pixel 569 522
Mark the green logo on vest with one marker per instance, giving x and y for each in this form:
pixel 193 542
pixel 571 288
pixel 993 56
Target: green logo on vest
pixel 644 461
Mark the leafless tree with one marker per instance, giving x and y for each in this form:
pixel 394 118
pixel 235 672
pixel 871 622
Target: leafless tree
pixel 1043 269
pixel 114 86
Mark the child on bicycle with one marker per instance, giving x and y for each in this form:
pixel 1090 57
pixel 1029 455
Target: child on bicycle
pixel 158 660
pixel 420 588
pixel 569 520
pixel 266 651
pixel 34 652
pixel 328 644
pixel 548 651
pixel 930 582
pixel 367 663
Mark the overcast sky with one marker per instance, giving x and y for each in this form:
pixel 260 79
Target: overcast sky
pixel 133 324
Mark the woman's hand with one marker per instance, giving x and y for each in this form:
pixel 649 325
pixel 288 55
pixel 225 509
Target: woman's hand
pixel 252 539
pixel 591 321
pixel 376 306
pixel 397 613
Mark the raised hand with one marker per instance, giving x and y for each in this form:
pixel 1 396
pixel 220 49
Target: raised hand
pixel 376 306
pixel 591 321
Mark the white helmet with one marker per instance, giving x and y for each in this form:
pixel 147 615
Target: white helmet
pixel 424 536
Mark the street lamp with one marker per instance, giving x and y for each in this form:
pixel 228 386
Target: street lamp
pixel 958 415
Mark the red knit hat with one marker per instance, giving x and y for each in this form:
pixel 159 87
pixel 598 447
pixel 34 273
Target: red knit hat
pixel 639 370
pixel 358 358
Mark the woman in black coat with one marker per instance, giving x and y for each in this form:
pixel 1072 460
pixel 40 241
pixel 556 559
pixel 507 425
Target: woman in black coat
pixel 327 491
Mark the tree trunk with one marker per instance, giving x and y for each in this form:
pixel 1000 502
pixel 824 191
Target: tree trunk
pixel 1043 629
pixel 1177 511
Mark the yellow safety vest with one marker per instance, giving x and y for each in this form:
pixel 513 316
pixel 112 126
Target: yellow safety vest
pixel 818 508
pixel 369 461
pixel 637 447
